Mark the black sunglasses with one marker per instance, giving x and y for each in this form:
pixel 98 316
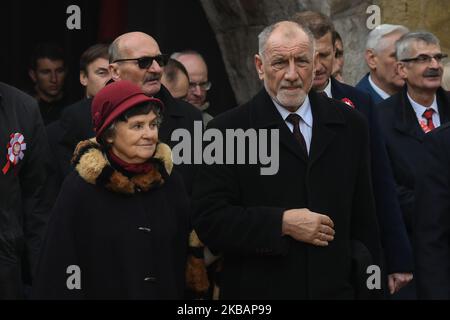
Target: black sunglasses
pixel 146 62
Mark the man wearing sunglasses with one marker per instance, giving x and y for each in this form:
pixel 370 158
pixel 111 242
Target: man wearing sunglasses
pixel 136 57
pixel 409 115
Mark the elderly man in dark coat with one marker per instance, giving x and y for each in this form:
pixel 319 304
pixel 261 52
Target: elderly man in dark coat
pixel 292 235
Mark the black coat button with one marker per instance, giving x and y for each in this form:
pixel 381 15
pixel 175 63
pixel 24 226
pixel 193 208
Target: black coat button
pixel 150 279
pixel 144 229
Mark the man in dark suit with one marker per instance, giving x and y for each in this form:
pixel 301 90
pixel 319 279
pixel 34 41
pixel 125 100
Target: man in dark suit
pixel 432 218
pixel 396 246
pixel 291 235
pixel 407 116
pixel 383 80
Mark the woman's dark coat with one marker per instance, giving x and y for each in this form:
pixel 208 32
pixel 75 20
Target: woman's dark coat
pixel 128 236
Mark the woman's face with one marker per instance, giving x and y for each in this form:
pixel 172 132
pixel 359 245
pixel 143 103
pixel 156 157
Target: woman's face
pixel 135 141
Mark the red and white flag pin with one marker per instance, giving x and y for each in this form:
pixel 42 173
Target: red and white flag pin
pixel 348 102
pixel 16 147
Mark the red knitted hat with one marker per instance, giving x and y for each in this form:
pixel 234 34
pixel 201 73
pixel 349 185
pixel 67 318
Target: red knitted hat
pixel 113 100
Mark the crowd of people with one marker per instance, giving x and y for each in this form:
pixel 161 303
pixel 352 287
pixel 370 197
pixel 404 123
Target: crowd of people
pixel 363 179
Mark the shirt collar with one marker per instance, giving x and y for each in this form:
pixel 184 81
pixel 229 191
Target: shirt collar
pixel 420 109
pixel 304 112
pixel 327 89
pixel 383 94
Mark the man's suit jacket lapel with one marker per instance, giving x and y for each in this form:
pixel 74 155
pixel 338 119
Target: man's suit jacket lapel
pixel 266 116
pixel 443 100
pixel 325 117
pixel 336 90
pixel 366 86
pixel 406 119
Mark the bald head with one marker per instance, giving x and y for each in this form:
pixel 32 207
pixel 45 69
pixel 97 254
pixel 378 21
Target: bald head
pixel 129 42
pixel 198 74
pixel 132 46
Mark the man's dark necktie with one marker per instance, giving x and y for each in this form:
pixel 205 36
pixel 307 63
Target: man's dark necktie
pixel 294 119
pixel 429 116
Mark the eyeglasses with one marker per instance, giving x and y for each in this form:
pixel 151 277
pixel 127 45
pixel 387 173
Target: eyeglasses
pixel 424 58
pixel 203 85
pixel 146 62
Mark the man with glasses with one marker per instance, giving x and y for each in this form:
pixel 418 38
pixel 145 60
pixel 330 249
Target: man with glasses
pixel 198 80
pixel 409 115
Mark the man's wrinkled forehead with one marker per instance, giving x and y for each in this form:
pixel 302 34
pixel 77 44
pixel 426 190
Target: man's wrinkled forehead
pixel 421 47
pixel 288 38
pixel 292 47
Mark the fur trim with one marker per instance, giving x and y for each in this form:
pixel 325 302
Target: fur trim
pixel 196 273
pixel 93 166
pixel 164 153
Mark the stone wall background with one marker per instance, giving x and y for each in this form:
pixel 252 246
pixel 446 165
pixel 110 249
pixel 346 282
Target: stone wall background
pixel 237 24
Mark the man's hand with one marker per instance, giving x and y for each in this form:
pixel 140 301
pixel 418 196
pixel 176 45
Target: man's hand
pixel 307 226
pixel 398 281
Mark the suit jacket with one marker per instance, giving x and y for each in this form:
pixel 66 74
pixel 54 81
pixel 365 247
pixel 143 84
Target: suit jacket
pixel 177 114
pixel 404 140
pixel 396 245
pixel 364 85
pixel 432 218
pixel 238 211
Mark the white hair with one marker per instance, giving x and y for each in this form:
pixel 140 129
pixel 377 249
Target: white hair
pixel 374 39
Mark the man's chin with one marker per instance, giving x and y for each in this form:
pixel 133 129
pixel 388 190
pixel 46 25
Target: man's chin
pixel 291 103
pixel 151 88
pixel 320 83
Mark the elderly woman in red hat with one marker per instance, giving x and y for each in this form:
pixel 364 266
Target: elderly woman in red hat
pixel 119 229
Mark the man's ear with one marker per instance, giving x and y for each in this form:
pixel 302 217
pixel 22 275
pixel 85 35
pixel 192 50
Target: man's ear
pixel 114 71
pixel 259 66
pixel 83 79
pixel 32 75
pixel 402 70
pixel 315 61
pixel 371 59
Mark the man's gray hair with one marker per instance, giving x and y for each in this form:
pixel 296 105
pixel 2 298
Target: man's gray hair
pixel 267 32
pixel 403 45
pixel 375 37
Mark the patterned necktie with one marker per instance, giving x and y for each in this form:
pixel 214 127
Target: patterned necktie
pixel 429 116
pixel 294 119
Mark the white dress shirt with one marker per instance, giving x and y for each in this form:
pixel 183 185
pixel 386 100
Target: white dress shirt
pixel 327 89
pixel 306 122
